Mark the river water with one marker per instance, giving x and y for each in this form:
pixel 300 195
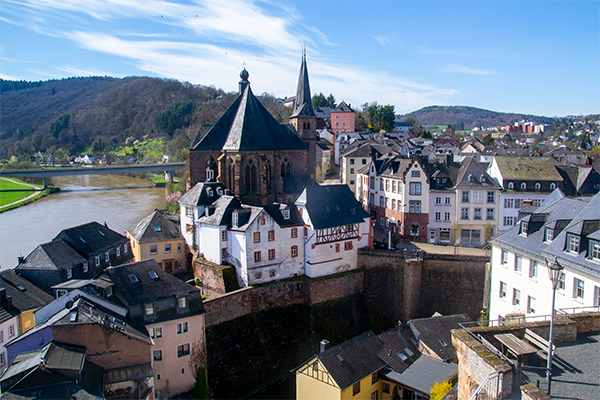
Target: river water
pixel 84 198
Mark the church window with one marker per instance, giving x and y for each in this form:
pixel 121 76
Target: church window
pixel 286 167
pixel 231 174
pixel 251 180
pixel 269 175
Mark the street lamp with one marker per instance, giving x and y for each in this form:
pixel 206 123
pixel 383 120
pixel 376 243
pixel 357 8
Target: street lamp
pixel 554 272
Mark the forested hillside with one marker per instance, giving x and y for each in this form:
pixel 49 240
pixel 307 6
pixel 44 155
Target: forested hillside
pixel 471 116
pixel 98 114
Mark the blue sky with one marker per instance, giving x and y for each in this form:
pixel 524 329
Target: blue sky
pixel 534 57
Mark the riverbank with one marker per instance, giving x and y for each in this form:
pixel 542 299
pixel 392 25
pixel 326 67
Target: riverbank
pixel 16 193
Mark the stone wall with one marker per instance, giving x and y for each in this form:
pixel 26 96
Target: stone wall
pixel 220 278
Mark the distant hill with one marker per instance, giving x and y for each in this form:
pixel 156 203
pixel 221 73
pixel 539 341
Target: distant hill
pixel 100 113
pixel 471 116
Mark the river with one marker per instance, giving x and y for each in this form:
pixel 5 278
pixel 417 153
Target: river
pixel 84 198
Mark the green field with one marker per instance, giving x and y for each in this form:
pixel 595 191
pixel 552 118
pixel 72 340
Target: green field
pixel 10 197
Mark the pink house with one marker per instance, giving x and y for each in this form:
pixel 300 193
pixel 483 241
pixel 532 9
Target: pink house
pixel 342 119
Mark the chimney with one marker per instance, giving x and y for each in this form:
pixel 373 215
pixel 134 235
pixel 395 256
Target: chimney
pixel 6 302
pixel 324 345
pixel 21 260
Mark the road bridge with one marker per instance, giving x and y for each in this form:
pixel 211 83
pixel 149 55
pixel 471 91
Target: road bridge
pixel 167 168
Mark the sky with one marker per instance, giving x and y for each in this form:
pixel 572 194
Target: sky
pixel 532 57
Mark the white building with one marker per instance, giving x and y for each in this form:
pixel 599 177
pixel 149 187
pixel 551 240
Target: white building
pixel 262 243
pixel 9 329
pixel 562 230
pixel 522 178
pixel 192 206
pixel 335 228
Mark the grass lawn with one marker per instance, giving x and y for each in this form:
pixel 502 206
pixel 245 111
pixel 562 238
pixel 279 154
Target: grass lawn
pixel 9 197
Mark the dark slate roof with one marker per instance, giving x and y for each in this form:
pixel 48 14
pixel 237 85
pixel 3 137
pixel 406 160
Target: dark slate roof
pixel 157 227
pixel 293 184
pixel 91 238
pixel 366 354
pixel 200 194
pixel 219 213
pixel 275 211
pixel 248 126
pixel 579 180
pixel 342 107
pixel 25 295
pixel 323 112
pixel 303 103
pixel 473 175
pixel 148 289
pixel 55 255
pixel 431 331
pixel 5 314
pixel 88 312
pixel 329 206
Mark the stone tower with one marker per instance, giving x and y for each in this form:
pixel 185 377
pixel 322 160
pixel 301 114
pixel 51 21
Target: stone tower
pixel 303 118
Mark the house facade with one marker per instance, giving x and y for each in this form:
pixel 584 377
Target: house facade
pixel 335 227
pixel 158 236
pixel 263 243
pixel 529 179
pixel 342 119
pixel 561 231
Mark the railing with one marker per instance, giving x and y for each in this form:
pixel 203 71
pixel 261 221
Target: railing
pixel 489 389
pixel 574 310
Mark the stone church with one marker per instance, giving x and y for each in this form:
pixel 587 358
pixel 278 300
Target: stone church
pixel 258 159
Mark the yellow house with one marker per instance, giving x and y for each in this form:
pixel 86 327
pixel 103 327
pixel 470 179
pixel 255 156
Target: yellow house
pixel 368 367
pixel 158 236
pixel 22 296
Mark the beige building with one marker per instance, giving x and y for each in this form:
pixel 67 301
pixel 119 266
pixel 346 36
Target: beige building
pixel 158 236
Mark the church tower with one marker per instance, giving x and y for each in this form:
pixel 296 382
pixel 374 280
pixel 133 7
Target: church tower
pixel 304 118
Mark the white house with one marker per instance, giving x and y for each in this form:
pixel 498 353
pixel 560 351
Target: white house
pixel 522 178
pixel 335 228
pixel 9 328
pixel 192 206
pixel 564 231
pixel 263 243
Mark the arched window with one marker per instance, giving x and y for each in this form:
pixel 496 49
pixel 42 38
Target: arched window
pixel 511 185
pixel 211 167
pixel 538 186
pixel 231 175
pixel 523 186
pixel 269 175
pixel 251 180
pixel 286 167
pixel 553 186
pixel 308 125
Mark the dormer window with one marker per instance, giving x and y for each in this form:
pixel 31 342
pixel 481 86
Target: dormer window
pixel 524 226
pixel 594 250
pixel 538 186
pixel 182 302
pixel 286 214
pixel 85 266
pixel 69 273
pixel 572 243
pixel 511 185
pixel 523 186
pixel 553 186
pixel 234 218
pixel 549 235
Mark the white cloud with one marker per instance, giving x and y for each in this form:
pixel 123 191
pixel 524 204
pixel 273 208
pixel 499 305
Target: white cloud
pixel 382 40
pixel 461 69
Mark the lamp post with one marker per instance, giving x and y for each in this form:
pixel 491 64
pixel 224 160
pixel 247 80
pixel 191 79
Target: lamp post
pixel 554 272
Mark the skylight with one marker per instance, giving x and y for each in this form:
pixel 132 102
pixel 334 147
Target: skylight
pixel 408 352
pixel 80 238
pixel 339 357
pixel 133 278
pixel 102 233
pixel 153 274
pixel 157 229
pixel 402 356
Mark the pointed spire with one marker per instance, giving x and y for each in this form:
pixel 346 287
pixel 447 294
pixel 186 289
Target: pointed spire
pixel 303 105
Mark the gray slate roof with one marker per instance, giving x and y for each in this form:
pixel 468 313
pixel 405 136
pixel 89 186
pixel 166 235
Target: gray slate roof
pixel 431 330
pixel 331 205
pixel 157 227
pixel 303 103
pixel 25 295
pixel 91 238
pixel 342 107
pixel 472 174
pixel 55 255
pixel 248 126
pixel 202 194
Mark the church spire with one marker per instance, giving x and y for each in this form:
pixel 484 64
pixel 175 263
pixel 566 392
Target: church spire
pixel 303 104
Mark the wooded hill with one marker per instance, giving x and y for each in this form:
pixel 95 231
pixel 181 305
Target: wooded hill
pixel 471 117
pixel 98 114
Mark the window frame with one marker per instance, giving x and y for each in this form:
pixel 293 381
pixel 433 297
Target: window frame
pixel 185 350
